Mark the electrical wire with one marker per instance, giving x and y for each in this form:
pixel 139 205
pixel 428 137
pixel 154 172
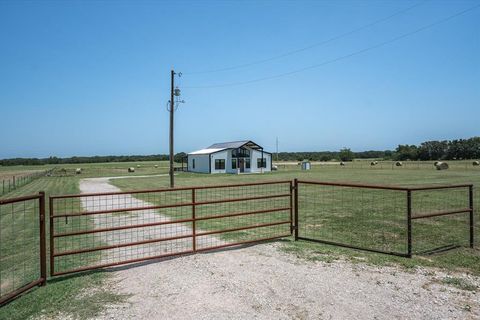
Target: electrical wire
pixel 352 54
pixel 318 44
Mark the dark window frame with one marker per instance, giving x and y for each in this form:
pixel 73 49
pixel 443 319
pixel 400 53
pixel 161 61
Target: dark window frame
pixel 219 164
pixel 262 163
pixel 234 163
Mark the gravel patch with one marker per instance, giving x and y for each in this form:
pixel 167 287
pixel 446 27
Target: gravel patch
pixel 263 282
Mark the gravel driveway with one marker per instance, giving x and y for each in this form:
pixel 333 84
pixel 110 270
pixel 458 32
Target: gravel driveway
pixel 262 282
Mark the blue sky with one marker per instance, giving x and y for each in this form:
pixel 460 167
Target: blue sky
pixel 92 78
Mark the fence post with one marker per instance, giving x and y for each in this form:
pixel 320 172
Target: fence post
pixel 472 216
pixel 43 252
pixel 409 223
pixel 14 182
pixel 295 197
pixel 52 248
pixel 291 207
pixel 194 244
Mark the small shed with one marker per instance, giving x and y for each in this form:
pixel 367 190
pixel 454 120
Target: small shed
pixel 306 165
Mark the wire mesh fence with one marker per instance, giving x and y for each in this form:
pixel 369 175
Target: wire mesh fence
pixel 22 245
pixel 357 216
pixel 394 220
pixel 16 181
pixel 442 218
pixel 99 230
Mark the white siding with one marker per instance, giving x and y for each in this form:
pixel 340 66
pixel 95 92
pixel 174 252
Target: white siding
pixel 201 163
pixel 220 155
pixel 255 155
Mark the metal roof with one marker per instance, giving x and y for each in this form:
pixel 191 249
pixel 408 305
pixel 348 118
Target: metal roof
pixel 207 151
pixel 235 145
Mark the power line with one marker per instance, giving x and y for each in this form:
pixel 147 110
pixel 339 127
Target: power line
pixel 381 44
pixel 289 53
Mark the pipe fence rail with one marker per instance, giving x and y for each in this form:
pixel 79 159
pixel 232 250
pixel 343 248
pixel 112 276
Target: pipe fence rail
pixel 22 245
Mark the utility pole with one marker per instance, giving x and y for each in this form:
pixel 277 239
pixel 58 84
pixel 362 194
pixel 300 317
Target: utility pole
pixel 174 92
pixel 172 110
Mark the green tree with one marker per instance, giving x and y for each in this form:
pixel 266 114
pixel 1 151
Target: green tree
pixel 346 154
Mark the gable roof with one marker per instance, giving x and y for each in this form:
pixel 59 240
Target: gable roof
pixel 235 145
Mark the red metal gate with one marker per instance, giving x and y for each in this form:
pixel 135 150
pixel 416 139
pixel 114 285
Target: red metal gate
pixel 386 219
pixel 22 245
pixel 90 231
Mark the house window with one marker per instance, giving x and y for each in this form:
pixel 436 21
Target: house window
pixel 234 163
pixel 193 163
pixel 240 153
pixel 247 163
pixel 261 163
pixel 219 164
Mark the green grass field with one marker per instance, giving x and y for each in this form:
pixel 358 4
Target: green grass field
pixel 63 294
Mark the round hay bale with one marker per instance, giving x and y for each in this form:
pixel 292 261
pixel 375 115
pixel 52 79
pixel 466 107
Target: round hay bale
pixel 131 169
pixel 441 165
pixel 476 163
pixel 342 164
pixel 138 166
pixel 274 168
pixel 435 163
pixel 398 164
pixel 78 170
pixel 373 163
pixel 156 166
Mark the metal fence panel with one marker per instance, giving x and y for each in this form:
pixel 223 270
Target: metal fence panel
pixel 387 219
pixel 365 217
pixel 22 245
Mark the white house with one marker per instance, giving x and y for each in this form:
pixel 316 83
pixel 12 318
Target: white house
pixel 230 157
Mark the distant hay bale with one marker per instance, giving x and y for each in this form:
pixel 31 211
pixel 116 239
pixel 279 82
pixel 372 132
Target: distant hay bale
pixel 138 166
pixel 156 166
pixel 78 170
pixel 131 169
pixel 435 163
pixel 398 164
pixel 373 163
pixel 441 165
pixel 476 163
pixel 342 164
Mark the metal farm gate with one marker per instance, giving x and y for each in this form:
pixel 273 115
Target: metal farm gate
pixel 22 245
pixel 90 231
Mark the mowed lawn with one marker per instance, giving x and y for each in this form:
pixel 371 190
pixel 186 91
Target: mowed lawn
pixel 67 294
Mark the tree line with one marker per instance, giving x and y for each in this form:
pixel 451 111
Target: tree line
pixel 461 149
pixel 429 150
